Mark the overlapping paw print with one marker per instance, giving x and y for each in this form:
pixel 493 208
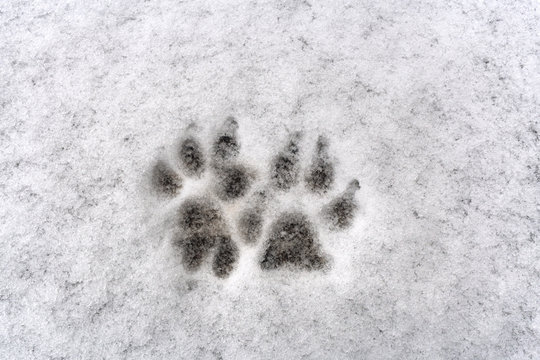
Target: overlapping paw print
pixel 205 220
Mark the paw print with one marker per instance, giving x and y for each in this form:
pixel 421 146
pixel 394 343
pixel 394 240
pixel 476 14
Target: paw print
pixel 234 201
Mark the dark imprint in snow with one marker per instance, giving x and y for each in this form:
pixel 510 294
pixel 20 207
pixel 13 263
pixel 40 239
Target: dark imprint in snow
pixel 292 238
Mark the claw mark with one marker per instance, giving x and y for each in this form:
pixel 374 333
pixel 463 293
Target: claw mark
pixel 165 179
pixel 320 175
pixel 293 241
pixel 340 212
pixel 191 157
pixel 285 166
pixel 250 223
pixel 226 145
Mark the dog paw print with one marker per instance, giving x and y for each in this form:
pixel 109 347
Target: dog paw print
pixel 234 199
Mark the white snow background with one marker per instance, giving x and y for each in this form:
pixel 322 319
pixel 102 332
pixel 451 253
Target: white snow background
pixel 432 105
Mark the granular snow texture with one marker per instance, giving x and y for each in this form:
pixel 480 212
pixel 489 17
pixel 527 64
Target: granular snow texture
pixel 433 106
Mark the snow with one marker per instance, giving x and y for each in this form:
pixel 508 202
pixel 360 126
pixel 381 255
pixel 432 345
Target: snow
pixel 433 106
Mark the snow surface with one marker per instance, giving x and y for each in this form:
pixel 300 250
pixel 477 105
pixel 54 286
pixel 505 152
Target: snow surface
pixel 432 105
